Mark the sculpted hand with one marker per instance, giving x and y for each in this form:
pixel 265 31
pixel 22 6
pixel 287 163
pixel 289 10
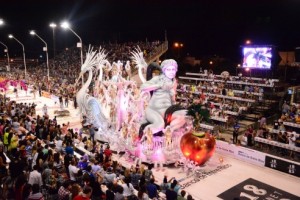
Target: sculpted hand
pixel 167 86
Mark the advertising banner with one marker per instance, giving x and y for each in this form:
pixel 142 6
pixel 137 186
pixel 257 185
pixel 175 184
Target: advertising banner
pixel 225 148
pixel 241 153
pixel 250 156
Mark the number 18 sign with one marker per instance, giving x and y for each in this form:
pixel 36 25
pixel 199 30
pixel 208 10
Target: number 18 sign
pixel 252 189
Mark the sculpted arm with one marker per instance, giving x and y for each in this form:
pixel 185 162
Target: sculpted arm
pixel 152 84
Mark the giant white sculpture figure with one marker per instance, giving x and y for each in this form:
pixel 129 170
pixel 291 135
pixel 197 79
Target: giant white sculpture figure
pixel 89 105
pixel 163 97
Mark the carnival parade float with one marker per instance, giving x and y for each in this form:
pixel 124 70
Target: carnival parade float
pixel 144 120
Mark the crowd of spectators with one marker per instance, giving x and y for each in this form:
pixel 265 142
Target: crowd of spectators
pixel 290 113
pixel 278 132
pixel 40 159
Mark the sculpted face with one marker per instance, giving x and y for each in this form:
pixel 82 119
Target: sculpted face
pixel 170 71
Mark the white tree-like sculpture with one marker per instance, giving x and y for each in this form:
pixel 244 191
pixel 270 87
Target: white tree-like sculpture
pixel 89 105
pixel 139 61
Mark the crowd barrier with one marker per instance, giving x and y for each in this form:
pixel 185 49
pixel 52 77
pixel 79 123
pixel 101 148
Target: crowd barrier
pixel 258 158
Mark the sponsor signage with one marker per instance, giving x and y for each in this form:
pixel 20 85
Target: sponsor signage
pixel 250 156
pixel 252 189
pixel 241 153
pixel 283 166
pixel 225 148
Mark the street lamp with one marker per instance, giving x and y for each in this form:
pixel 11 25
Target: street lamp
pixel 12 37
pixel 53 26
pixel 1 22
pixel 6 50
pixel 236 69
pixel 45 49
pixel 178 46
pixel 66 25
pixel 248 70
pixel 248 42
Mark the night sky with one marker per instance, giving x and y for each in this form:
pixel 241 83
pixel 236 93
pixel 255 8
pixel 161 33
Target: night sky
pixel 204 27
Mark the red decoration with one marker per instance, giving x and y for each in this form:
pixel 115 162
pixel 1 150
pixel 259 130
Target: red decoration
pixel 198 146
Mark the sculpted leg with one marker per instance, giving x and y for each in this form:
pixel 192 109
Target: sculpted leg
pixel 178 120
pixel 156 120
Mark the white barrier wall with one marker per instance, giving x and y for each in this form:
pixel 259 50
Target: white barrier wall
pixel 241 153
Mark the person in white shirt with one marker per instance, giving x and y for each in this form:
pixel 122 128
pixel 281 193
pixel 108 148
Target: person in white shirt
pixel 73 170
pixel 15 125
pixel 28 124
pixel 58 144
pixel 35 177
pixel 128 187
pixel 95 167
pixel 45 109
pixel 13 111
pixel 292 142
pixel 292 139
pixel 109 176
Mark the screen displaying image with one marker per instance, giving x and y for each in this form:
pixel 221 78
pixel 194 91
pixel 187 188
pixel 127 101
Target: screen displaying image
pixel 257 57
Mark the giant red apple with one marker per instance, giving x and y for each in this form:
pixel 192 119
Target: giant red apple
pixel 198 146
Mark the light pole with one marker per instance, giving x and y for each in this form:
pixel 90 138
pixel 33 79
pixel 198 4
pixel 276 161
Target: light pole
pixel 236 69
pixel 11 36
pixel 6 50
pixel 45 49
pixel 178 46
pixel 53 26
pixel 66 25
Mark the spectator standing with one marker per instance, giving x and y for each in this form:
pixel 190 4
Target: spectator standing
pixel 109 176
pixel 75 102
pixel 3 170
pixel 181 196
pixel 85 195
pixel 92 132
pixel 189 197
pixel 35 177
pixel 263 121
pixel 73 170
pixel 170 193
pixel 61 103
pixel 107 153
pixel 152 189
pixel 40 90
pixel 128 187
pixel 110 195
pixel 142 194
pixel 164 186
pixel 36 194
pixel 67 101
pixel 119 193
pixel 235 135
pixel 135 177
pixel 45 110
pixel 64 191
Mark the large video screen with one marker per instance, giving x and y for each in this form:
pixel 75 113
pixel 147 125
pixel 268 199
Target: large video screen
pixel 257 57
